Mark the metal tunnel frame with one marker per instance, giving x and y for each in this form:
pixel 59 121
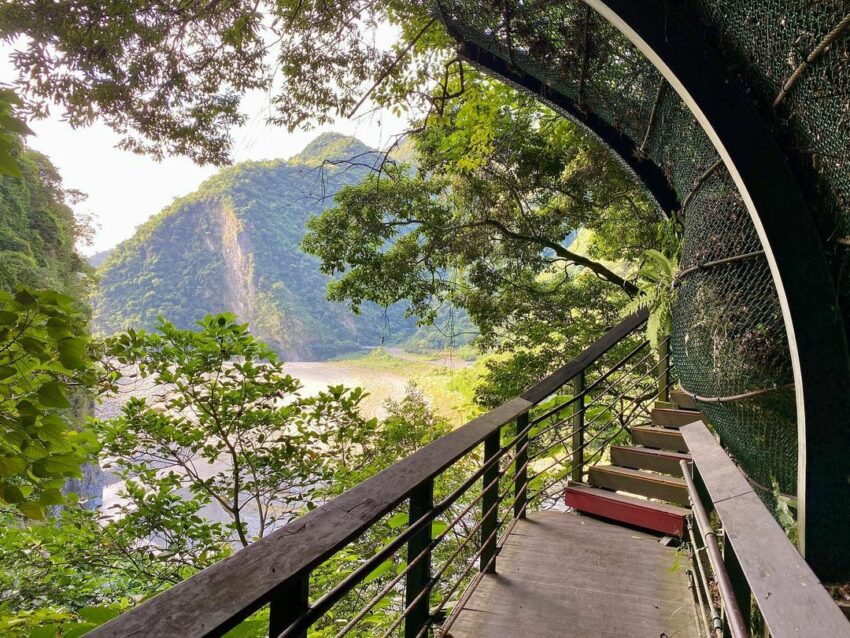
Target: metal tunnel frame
pixel 816 335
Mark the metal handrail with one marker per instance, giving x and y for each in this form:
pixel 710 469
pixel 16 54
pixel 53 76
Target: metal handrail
pixel 275 570
pixel 734 618
pixel 758 569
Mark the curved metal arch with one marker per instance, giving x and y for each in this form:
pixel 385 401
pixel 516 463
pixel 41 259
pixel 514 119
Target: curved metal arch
pixel 807 295
pixel 816 335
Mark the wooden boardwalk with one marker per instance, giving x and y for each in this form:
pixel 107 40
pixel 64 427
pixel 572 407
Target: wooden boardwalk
pixel 563 575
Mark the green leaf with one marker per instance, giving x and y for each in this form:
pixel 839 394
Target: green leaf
pixel 98 615
pixel 438 527
pixel 72 353
pixel 12 494
pixel 32 511
pixel 31 345
pixel 76 630
pixel 397 520
pixel 379 571
pixel 24 297
pixel 58 464
pixel 11 465
pixel 52 395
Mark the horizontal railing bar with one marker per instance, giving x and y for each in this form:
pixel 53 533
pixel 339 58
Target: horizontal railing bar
pixel 592 386
pixel 789 596
pixel 595 402
pixel 241 584
pixel 562 375
pixel 607 408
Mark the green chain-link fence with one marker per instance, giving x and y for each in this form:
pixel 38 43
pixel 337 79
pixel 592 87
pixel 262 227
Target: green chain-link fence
pixel 729 339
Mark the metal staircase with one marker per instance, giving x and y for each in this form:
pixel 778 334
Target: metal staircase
pixel 643 484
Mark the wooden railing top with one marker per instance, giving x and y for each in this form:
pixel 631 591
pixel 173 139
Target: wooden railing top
pixel 565 373
pixel 221 596
pixel 790 597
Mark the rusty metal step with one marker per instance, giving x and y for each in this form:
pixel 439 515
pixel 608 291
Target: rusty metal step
pixel 661 438
pixel 649 484
pixel 667 418
pixel 642 458
pixel 682 399
pixel 658 517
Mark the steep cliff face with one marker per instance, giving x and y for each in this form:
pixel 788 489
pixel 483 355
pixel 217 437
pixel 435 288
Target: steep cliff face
pixel 233 246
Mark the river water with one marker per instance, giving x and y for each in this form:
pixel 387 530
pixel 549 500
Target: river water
pixel 314 376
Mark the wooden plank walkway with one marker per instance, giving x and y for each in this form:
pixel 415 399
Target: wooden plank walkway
pixel 562 575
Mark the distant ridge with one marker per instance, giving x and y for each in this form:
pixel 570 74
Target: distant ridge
pixel 233 245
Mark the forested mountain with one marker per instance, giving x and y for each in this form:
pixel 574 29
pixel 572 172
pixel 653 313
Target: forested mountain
pixel 233 246
pixel 37 228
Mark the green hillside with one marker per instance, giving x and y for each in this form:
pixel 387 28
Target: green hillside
pixel 233 245
pixel 37 228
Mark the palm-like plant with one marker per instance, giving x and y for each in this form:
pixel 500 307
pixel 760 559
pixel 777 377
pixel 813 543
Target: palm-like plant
pixel 656 279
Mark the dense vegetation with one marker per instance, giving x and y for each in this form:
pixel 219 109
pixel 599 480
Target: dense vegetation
pixel 509 212
pixel 501 209
pixel 234 246
pixel 254 454
pixel 38 230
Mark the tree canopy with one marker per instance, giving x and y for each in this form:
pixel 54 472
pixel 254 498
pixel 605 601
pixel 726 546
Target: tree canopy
pixel 169 77
pixel 508 210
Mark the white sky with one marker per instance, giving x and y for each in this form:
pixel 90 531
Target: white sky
pixel 125 189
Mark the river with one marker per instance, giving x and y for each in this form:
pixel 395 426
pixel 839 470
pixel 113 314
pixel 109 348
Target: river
pixel 315 376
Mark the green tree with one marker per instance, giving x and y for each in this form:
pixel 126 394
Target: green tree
pixel 508 211
pixel 229 424
pixel 11 128
pixel 79 568
pixel 169 77
pixel 44 358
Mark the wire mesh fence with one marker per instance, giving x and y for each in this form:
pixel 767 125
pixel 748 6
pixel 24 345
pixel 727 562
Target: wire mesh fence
pixel 729 341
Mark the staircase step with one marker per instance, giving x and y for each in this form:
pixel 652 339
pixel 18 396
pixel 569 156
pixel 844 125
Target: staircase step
pixel 642 458
pixel 658 517
pixel 662 438
pixel 674 418
pixel 684 400
pixel 667 405
pixel 650 484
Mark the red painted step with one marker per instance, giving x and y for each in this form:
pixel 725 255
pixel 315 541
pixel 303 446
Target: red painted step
pixel 658 517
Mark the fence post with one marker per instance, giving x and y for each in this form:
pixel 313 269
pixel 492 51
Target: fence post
pixel 521 467
pixel 288 604
pixel 490 520
pixel 664 370
pixel 578 428
pixel 419 576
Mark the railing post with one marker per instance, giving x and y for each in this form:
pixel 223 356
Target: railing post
pixel 288 604
pixel 419 576
pixel 578 427
pixel 521 467
pixel 489 507
pixel 664 370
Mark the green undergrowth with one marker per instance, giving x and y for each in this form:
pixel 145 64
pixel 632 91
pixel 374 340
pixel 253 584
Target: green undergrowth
pixel 451 390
